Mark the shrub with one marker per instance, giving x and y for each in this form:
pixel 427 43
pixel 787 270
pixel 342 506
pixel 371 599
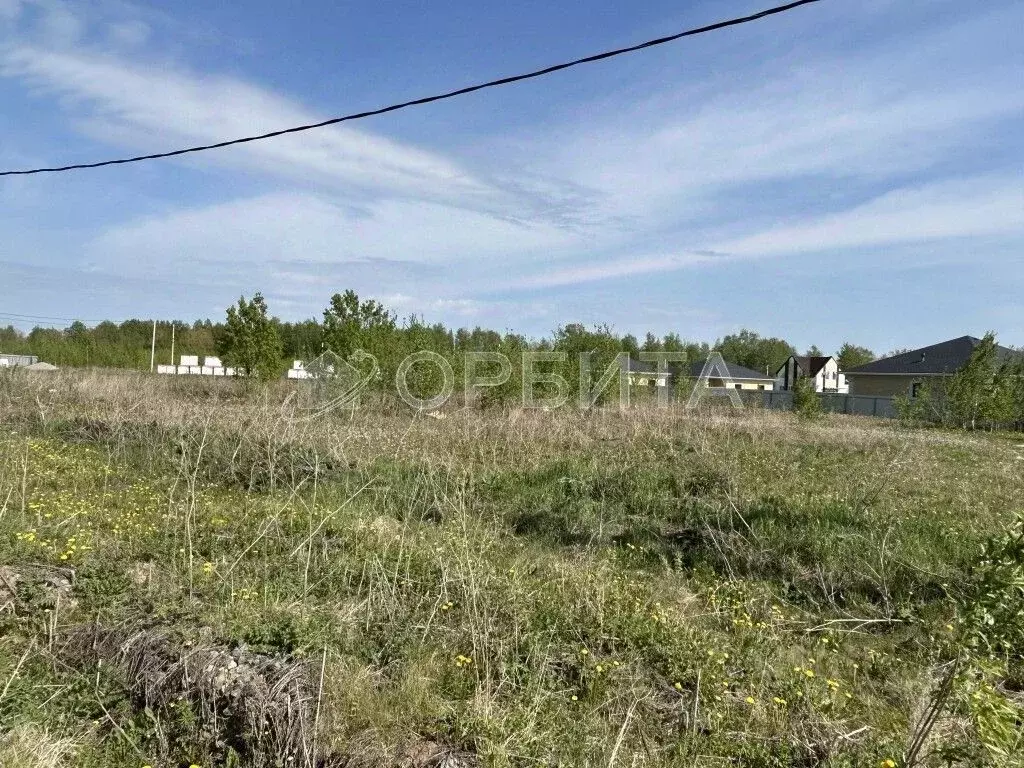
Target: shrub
pixel 806 402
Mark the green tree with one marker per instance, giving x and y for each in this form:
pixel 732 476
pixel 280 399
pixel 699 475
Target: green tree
pixel 753 351
pixel 511 392
pixel 814 351
pixel 851 356
pixel 652 343
pixel 351 324
pixel 913 411
pixel 600 346
pixel 981 391
pixel 250 340
pixel 1013 378
pixel 806 402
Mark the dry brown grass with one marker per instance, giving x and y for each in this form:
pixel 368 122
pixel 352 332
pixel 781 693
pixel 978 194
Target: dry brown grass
pixel 29 746
pixel 384 546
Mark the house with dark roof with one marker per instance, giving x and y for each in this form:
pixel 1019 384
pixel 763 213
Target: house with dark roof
pixel 822 371
pixel 733 376
pixel 905 373
pixel 646 374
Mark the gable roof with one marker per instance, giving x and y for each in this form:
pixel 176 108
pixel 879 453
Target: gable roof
pixel 944 358
pixel 735 371
pixel 811 365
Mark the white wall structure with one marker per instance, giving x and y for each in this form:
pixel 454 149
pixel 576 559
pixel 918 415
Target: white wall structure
pixel 298 371
pixel 212 366
pixel 826 374
pixel 14 361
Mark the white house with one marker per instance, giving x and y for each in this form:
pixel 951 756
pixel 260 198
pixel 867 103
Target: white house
pixel 823 370
pixel 644 374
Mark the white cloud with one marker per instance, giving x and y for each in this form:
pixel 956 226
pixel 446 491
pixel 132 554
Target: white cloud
pixel 606 270
pixel 750 161
pixel 291 226
pixel 694 150
pixel 954 209
pixel 159 107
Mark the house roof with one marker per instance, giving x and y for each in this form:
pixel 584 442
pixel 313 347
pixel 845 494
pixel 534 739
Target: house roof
pixel 735 371
pixel 947 357
pixel 811 365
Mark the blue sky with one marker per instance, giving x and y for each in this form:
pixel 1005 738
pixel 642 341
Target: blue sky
pixel 847 171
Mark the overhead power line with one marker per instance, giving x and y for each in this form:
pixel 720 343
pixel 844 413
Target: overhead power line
pixel 38 317
pixel 428 99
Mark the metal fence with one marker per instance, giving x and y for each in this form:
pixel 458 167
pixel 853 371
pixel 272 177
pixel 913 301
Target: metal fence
pixel 858 405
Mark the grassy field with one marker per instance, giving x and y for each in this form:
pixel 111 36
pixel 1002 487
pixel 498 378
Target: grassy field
pixel 191 576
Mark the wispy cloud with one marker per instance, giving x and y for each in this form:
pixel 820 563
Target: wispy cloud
pixel 606 270
pixel 306 227
pixel 823 149
pixel 130 105
pixel 950 209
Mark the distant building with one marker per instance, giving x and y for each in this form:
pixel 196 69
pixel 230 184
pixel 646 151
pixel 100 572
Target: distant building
pixel 11 361
pixel 904 374
pixel 644 374
pixel 823 371
pixel 738 377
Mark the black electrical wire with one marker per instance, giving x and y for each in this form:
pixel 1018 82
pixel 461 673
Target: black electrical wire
pixel 428 99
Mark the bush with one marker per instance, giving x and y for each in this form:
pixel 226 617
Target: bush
pixel 806 402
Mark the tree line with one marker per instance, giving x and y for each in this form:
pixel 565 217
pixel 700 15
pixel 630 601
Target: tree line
pixel 250 337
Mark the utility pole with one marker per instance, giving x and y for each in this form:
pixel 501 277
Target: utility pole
pixel 172 342
pixel 152 349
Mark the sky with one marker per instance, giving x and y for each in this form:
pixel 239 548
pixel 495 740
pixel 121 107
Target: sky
pixel 847 171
